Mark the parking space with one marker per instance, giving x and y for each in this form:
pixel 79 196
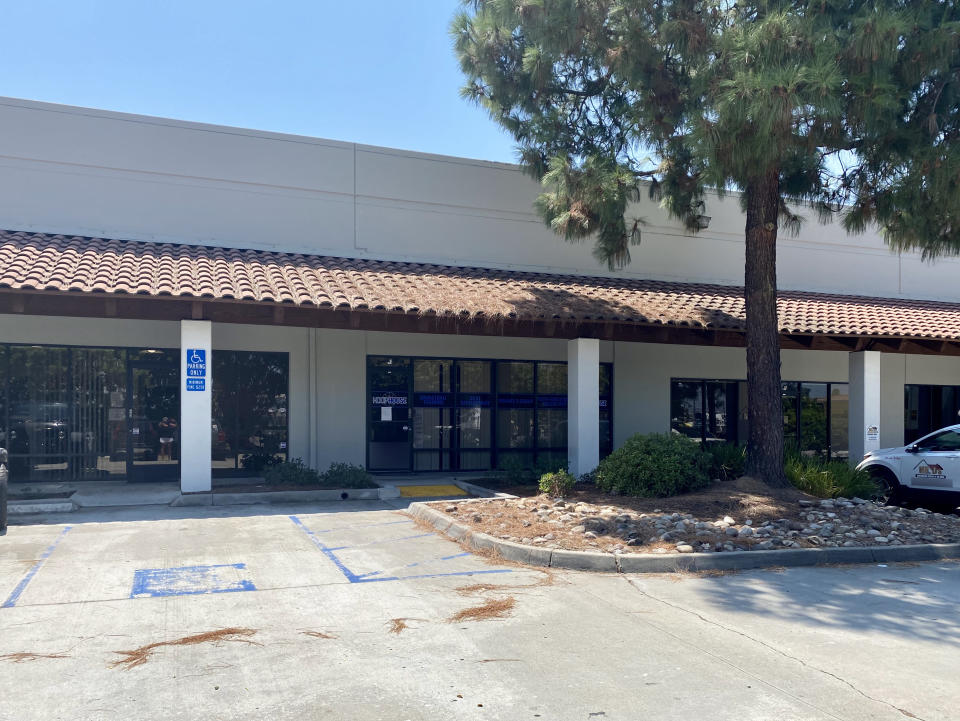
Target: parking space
pixel 86 562
pixel 352 610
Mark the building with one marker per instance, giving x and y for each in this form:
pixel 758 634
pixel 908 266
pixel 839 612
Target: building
pixel 178 299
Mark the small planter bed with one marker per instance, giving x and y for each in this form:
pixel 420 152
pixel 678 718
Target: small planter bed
pixel 267 488
pixel 29 494
pixel 741 515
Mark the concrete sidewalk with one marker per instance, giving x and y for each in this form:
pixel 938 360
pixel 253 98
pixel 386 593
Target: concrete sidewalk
pixel 109 494
pixel 317 591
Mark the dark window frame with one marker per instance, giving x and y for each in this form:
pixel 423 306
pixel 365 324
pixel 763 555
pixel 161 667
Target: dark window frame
pixel 495 450
pixel 926 423
pixel 131 356
pixel 796 409
pixel 239 471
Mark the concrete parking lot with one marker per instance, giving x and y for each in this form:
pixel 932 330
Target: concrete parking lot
pixel 350 611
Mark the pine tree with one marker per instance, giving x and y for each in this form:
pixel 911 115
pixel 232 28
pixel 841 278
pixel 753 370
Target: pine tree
pixel 844 107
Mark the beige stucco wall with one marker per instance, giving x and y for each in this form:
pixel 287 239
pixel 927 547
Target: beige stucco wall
pixel 92 172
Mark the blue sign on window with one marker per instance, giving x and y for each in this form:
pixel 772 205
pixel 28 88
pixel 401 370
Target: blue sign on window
pixel 433 400
pixel 196 369
pixel 515 401
pixel 474 400
pixel 552 401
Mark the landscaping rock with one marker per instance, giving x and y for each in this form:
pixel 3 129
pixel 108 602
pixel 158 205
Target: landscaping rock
pixel 839 524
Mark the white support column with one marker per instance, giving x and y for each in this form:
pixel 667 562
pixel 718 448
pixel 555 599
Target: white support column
pixel 583 405
pixel 196 391
pixel 864 404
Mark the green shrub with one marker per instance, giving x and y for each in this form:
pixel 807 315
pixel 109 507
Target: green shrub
pixel 557 483
pixel 346 475
pixel 291 473
pixel 655 465
pixel 728 461
pixel 827 479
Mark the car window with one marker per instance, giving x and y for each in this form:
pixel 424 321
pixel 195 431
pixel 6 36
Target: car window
pixel 946 441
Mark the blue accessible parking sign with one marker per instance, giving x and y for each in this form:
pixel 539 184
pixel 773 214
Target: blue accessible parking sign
pixel 196 369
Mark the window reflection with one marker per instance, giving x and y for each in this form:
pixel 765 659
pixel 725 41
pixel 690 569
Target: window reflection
pixel 250 407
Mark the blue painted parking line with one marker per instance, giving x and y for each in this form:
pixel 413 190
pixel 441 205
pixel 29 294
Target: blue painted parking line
pixel 350 575
pixel 189 581
pixel 374 576
pixel 18 591
pixel 440 558
pixel 460 573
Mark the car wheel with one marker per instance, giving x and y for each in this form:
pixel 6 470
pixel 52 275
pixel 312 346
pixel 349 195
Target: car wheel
pixel 888 490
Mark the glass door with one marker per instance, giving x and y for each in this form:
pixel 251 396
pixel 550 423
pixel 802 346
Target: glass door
pixel 153 445
pixel 388 408
pixel 432 414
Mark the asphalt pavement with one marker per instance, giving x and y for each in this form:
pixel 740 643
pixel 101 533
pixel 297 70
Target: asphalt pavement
pixel 353 611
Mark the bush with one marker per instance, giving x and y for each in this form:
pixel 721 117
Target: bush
pixel 827 479
pixel 728 461
pixel 291 473
pixel 655 465
pixel 557 484
pixel 347 475
pixel 259 461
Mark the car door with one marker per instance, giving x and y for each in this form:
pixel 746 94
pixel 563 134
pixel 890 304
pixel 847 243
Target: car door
pixel 935 464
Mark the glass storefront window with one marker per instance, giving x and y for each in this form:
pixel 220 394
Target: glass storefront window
pixel 928 408
pixel 250 407
pixel 474 418
pixel 40 437
pixel 450 414
pixel 433 375
pixel 813 417
pixel 552 378
pixel 474 376
pixel 388 439
pixel 686 408
pixel 515 428
pixel 814 414
pixel 839 420
pixel 788 394
pixel 552 428
pixel 514 377
pixel 721 410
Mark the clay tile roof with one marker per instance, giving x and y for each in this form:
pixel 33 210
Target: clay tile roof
pixel 59 263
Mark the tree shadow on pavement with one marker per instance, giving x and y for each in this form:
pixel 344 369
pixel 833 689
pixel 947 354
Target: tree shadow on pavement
pixel 904 600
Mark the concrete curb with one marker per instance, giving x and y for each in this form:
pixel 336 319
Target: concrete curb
pixel 480 491
pixel 671 562
pixel 244 499
pixel 53 505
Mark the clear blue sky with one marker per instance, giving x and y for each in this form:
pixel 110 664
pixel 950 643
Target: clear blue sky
pixel 380 72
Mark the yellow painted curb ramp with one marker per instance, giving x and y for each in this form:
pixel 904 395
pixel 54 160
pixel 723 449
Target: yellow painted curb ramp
pixel 429 491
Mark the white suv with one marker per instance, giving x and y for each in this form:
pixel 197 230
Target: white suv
pixel 930 464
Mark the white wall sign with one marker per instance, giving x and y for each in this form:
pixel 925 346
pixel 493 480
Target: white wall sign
pixel 873 434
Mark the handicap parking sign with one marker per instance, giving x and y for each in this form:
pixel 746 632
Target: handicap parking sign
pixel 196 369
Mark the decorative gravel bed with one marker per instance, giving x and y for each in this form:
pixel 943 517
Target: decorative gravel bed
pixel 755 522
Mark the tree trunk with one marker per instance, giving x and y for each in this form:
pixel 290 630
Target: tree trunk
pixel 764 405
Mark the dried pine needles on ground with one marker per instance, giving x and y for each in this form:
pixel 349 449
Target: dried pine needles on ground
pixel 22 656
pixel 489 609
pixel 139 656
